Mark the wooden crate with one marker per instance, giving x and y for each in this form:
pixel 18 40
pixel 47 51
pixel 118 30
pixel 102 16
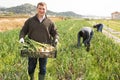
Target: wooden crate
pixel 27 53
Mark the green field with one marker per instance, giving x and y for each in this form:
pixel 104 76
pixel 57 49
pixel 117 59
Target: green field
pixel 72 63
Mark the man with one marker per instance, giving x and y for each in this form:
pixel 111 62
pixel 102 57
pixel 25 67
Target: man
pixel 99 27
pixel 41 29
pixel 86 33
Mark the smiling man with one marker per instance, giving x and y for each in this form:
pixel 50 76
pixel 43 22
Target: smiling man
pixel 41 29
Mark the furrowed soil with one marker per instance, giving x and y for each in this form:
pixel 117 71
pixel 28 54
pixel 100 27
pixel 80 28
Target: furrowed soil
pixel 12 23
pixel 111 34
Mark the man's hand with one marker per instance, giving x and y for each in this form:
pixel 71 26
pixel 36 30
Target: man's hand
pixel 56 41
pixel 21 40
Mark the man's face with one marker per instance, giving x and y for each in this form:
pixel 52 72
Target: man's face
pixel 41 10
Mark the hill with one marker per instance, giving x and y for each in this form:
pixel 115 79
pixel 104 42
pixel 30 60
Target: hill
pixel 31 9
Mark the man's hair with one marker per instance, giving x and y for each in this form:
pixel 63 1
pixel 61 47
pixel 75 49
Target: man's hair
pixel 42 4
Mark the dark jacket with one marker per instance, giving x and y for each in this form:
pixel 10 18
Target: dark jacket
pixel 41 32
pixel 99 27
pixel 86 33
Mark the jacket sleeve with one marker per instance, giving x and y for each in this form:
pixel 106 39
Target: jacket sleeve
pixel 53 31
pixel 24 30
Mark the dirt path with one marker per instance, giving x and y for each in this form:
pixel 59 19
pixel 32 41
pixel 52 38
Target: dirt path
pixel 111 34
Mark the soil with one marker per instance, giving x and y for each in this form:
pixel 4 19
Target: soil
pixel 12 23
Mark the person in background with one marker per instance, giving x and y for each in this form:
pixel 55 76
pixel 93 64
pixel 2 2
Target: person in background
pixel 41 29
pixel 86 33
pixel 99 27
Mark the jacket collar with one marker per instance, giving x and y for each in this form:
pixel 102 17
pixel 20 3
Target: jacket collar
pixel 45 16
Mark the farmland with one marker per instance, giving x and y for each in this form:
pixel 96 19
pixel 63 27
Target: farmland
pixel 111 26
pixel 10 23
pixel 72 63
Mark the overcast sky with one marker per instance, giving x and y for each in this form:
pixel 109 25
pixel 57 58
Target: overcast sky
pixel 83 7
